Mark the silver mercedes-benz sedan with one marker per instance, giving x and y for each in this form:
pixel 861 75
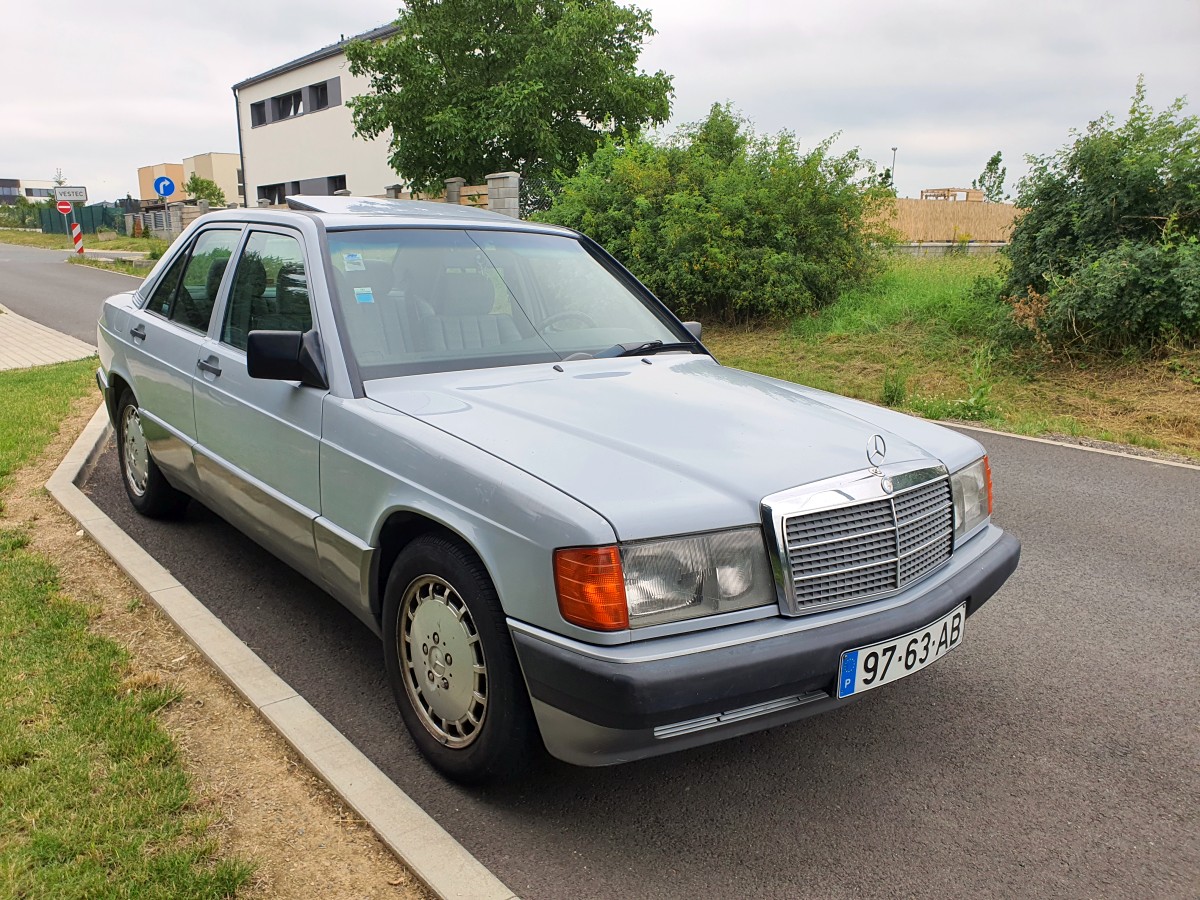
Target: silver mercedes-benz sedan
pixel 568 523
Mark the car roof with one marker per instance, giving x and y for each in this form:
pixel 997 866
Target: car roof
pixel 336 213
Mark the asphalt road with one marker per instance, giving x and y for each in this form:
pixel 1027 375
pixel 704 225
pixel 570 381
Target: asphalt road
pixel 1056 753
pixel 41 285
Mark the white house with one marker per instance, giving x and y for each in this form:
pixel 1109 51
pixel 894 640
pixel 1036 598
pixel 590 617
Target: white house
pixel 31 189
pixel 295 134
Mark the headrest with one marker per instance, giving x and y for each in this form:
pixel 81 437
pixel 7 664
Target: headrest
pixel 467 294
pixel 290 281
pixel 216 271
pixel 251 276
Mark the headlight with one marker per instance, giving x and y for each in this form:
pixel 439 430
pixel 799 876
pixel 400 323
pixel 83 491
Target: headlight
pixel 663 581
pixel 972 489
pixel 682 578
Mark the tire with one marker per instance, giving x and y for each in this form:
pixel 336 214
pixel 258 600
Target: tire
pixel 452 666
pixel 148 489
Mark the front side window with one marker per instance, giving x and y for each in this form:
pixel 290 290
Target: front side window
pixel 197 292
pixel 270 289
pixel 423 300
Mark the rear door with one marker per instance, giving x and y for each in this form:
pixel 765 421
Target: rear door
pixel 258 441
pixel 165 337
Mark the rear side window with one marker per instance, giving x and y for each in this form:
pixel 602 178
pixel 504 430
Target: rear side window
pixel 164 293
pixel 197 292
pixel 270 289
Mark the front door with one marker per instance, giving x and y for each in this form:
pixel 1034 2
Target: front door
pixel 258 441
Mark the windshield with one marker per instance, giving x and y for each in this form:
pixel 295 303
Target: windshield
pixel 427 300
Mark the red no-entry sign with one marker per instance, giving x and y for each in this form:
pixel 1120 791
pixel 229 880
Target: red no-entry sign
pixel 64 207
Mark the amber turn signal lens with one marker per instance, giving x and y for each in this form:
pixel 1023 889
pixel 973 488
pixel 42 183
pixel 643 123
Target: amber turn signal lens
pixel 987 474
pixel 591 587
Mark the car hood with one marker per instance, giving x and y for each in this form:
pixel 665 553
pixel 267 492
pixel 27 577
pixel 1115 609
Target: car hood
pixel 666 445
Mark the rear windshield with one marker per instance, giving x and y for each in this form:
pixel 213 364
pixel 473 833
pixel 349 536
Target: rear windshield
pixel 427 300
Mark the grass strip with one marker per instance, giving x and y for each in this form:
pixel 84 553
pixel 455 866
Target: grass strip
pixel 124 266
pixel 32 403
pixel 94 802
pixel 154 246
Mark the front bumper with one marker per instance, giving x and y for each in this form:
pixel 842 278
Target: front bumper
pixel 596 706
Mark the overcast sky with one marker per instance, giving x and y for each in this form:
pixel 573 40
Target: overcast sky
pixel 98 89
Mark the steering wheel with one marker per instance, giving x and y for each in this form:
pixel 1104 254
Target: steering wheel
pixel 566 315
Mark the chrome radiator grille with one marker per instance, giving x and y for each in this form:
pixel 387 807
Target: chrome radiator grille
pixel 844 555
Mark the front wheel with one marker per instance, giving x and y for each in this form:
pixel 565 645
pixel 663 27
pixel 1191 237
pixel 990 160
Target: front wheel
pixel 452 666
pixel 148 489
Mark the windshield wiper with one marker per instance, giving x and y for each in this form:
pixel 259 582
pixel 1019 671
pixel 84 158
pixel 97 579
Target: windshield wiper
pixel 645 348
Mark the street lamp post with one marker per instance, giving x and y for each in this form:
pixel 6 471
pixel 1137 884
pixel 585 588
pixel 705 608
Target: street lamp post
pixel 894 149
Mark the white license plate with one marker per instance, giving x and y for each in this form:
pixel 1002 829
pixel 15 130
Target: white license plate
pixel 867 668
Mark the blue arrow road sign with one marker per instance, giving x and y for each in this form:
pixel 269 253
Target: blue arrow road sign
pixel 164 186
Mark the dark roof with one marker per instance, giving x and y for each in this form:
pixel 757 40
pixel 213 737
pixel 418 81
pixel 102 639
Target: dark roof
pixel 374 34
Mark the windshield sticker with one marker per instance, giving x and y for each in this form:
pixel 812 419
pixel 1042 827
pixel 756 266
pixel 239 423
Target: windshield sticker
pixel 354 262
pixel 364 295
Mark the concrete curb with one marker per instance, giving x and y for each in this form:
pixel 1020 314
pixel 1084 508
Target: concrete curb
pixel 436 858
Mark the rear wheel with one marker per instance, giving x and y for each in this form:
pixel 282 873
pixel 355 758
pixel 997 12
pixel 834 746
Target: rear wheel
pixel 452 666
pixel 148 489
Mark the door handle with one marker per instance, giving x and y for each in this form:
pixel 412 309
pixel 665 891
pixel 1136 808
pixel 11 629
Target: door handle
pixel 210 365
pixel 138 331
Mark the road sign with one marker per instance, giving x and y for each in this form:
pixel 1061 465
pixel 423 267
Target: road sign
pixel 77 237
pixel 64 207
pixel 71 194
pixel 164 186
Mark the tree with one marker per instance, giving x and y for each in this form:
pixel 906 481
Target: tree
pixel 471 87
pixel 21 214
pixel 1107 255
pixel 204 189
pixel 727 225
pixel 991 180
pixel 58 178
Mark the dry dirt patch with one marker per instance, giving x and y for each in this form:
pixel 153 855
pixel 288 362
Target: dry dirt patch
pixel 266 806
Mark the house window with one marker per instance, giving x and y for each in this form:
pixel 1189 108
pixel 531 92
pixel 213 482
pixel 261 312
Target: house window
pixel 318 96
pixel 289 105
pixel 39 192
pixel 274 193
pixel 258 113
pixel 335 183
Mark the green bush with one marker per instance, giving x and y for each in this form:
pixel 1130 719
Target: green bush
pixel 726 225
pixel 1105 257
pixel 1135 293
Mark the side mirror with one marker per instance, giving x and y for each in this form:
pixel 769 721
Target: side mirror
pixel 693 329
pixel 286 356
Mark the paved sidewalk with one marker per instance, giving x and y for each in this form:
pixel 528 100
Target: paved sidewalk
pixel 25 343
